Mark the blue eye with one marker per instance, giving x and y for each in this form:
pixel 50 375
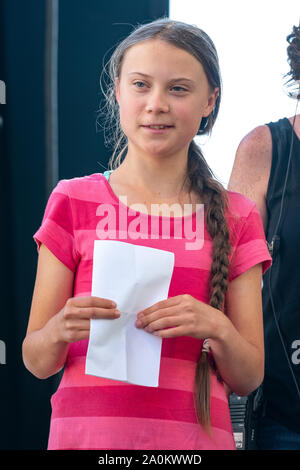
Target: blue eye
pixel 139 84
pixel 178 88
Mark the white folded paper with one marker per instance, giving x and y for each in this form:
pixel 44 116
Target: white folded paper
pixel 135 277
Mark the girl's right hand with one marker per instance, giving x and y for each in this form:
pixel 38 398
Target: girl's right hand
pixel 73 321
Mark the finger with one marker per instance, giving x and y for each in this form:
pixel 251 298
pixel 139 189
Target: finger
pixel 72 326
pixel 105 313
pixel 91 312
pixel 82 334
pixel 171 332
pixel 162 323
pixel 78 335
pixel 144 320
pixel 91 301
pixel 171 301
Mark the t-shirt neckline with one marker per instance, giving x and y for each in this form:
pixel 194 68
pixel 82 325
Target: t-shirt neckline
pixel 107 174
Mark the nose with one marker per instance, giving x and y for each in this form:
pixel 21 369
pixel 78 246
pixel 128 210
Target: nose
pixel 157 102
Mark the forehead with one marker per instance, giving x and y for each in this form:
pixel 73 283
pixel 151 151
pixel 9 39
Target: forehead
pixel 156 56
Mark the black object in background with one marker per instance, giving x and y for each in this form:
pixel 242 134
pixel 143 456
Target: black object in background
pixel 244 413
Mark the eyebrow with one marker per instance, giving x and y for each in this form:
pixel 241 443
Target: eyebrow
pixel 179 79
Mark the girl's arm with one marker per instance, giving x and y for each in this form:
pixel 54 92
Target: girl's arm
pixel 56 319
pixel 43 353
pixel 238 347
pixel 236 339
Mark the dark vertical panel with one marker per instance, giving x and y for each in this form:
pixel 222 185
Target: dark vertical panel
pixel 51 98
pixel 7 381
pixel 26 406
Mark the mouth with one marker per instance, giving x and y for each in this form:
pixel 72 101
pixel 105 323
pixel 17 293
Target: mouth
pixel 157 126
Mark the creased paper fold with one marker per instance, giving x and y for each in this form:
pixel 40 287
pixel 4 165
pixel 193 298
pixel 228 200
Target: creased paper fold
pixel 135 277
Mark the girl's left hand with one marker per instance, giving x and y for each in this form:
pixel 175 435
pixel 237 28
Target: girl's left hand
pixel 182 315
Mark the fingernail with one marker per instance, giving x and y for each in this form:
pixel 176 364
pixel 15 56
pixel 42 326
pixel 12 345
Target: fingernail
pixel 118 312
pixel 138 323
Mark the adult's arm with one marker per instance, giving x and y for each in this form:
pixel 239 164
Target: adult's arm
pixel 251 169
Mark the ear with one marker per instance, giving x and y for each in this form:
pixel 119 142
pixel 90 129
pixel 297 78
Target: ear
pixel 117 89
pixel 212 98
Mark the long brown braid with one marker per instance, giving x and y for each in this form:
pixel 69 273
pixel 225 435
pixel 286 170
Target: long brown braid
pixel 195 41
pixel 215 202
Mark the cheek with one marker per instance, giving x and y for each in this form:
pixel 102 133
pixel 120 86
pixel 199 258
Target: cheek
pixel 129 111
pixel 126 115
pixel 190 117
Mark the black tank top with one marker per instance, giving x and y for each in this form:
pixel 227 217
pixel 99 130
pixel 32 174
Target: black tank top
pixel 280 390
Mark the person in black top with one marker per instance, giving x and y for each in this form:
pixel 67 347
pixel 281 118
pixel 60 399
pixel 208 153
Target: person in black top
pixel 267 170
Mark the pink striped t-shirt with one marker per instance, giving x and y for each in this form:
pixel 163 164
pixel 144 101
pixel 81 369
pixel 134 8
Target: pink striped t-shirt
pixel 89 412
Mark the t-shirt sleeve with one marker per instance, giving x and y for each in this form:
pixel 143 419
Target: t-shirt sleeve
pixel 250 247
pixel 57 229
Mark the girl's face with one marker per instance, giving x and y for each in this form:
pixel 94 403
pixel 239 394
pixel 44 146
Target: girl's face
pixel 162 93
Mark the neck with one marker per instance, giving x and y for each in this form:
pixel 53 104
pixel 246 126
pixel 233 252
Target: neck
pixel 158 175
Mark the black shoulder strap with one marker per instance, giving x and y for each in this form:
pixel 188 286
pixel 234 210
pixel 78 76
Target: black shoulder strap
pixel 281 137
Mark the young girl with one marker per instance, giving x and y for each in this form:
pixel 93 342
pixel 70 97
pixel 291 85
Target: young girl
pixel 166 88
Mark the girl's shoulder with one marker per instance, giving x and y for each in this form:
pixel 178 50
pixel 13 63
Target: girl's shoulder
pixel 240 205
pixel 243 218
pixel 247 236
pixel 81 181
pixel 78 186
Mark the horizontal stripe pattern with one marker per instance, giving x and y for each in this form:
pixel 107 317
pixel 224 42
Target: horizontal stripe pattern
pixel 149 402
pixel 183 347
pixel 92 412
pixel 176 374
pixel 96 433
pixel 190 280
